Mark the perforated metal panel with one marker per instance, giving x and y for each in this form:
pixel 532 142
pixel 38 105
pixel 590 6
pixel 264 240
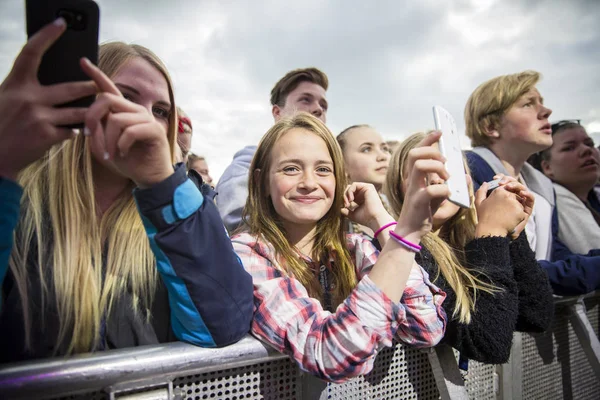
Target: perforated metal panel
pixel 270 380
pixel 480 380
pixel 554 364
pixel 399 373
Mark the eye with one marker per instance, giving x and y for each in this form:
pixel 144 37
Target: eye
pixel 305 100
pixel 291 169
pixel 324 170
pixel 365 149
pixel 127 96
pixel 161 112
pixel 386 149
pixel 567 148
pixel 324 106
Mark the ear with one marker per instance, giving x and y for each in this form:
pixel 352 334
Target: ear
pixel 547 169
pixel 276 111
pixel 256 174
pixel 490 130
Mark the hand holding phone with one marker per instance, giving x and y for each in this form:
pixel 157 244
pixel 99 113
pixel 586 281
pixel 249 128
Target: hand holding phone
pixel 449 145
pixel 30 124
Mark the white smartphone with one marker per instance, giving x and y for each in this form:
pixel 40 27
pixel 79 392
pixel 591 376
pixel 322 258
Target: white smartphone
pixel 449 144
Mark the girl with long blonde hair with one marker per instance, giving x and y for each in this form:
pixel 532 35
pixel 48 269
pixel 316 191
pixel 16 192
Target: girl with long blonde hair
pixel 494 284
pixel 115 246
pixel 328 299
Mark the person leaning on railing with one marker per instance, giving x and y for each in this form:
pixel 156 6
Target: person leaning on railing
pixel 480 257
pixel 328 299
pixel 573 165
pixel 115 246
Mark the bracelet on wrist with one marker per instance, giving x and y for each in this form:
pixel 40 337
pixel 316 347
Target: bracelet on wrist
pixel 409 245
pixel 383 227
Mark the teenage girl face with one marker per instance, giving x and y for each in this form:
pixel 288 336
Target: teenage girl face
pixel 574 161
pixel 366 156
pixel 143 84
pixel 301 181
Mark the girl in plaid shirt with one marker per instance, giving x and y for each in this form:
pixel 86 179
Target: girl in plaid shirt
pixel 329 299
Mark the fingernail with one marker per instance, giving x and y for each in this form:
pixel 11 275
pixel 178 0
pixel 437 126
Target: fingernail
pixel 60 21
pixel 86 131
pixel 75 131
pixel 106 155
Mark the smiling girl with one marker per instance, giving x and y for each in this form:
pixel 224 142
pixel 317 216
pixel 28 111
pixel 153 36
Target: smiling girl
pixel 328 299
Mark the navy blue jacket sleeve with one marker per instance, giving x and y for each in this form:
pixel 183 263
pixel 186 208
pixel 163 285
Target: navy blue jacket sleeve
pixel 10 199
pixel 569 274
pixel 210 293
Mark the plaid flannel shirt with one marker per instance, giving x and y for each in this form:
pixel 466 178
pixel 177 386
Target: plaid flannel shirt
pixel 340 345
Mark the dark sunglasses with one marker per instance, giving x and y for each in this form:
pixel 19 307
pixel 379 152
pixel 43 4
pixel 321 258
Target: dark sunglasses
pixel 557 125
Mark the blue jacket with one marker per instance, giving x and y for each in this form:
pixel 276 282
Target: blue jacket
pixel 204 296
pixel 570 274
pixel 10 199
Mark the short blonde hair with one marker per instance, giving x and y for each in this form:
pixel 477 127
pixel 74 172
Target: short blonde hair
pixel 488 103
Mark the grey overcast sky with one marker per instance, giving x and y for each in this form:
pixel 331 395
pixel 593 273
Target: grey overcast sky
pixel 388 61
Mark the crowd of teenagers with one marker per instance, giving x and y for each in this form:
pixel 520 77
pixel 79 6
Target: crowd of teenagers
pixel 325 248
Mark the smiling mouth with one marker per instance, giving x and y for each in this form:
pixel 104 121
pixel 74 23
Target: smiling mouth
pixel 589 162
pixel 306 200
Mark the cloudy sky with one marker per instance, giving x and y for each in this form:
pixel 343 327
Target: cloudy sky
pixel 388 61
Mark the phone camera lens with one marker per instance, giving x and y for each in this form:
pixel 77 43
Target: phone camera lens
pixel 75 20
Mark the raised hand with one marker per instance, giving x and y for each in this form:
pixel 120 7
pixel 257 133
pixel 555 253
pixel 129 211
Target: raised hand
pixel 130 138
pixel 30 123
pixel 363 205
pixel 421 200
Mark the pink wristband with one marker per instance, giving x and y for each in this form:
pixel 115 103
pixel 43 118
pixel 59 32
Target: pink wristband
pixel 382 228
pixel 411 246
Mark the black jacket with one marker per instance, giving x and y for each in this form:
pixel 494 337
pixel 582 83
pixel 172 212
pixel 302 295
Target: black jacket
pixel 524 302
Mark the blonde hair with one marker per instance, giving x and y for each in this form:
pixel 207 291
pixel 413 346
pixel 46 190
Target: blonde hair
pixel 447 248
pixel 488 103
pixel 261 218
pixel 59 221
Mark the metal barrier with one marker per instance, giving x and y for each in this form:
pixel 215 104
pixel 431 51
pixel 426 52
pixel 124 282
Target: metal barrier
pixel 550 365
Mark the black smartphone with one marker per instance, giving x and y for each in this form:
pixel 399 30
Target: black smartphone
pixel 61 62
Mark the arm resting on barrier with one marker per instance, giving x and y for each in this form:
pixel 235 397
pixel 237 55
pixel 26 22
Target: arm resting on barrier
pixel 210 294
pixel 536 302
pixel 340 345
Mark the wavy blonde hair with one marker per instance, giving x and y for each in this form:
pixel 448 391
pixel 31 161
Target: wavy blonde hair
pixel 261 219
pixel 59 221
pixel 447 248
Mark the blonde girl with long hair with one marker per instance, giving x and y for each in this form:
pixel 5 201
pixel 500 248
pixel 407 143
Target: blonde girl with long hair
pixel 493 283
pixel 116 247
pixel 328 299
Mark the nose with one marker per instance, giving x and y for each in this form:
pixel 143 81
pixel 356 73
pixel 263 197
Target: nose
pixel 434 179
pixel 317 110
pixel 545 112
pixel 382 155
pixel 308 181
pixel 586 150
